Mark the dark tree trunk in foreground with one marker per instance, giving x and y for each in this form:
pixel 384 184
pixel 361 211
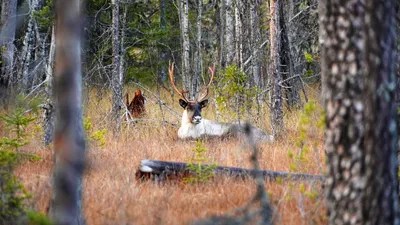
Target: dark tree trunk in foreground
pixel 69 145
pixel 358 56
pixel 116 85
pixel 7 36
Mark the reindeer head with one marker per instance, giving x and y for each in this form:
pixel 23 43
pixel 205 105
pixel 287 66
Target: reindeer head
pixel 192 108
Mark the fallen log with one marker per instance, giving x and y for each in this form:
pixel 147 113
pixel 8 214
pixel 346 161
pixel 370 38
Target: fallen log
pixel 164 169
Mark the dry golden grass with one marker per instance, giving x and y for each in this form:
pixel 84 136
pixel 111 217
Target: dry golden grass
pixel 113 196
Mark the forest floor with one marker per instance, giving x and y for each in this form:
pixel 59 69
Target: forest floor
pixel 112 195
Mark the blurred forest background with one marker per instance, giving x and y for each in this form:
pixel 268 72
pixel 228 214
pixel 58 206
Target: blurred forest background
pixel 285 66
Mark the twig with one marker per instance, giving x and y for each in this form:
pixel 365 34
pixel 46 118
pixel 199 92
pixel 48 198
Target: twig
pixel 250 58
pixel 266 213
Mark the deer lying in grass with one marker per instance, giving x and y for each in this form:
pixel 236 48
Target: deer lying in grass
pixel 193 126
pixel 136 107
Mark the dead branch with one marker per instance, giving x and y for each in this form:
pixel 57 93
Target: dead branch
pixel 163 169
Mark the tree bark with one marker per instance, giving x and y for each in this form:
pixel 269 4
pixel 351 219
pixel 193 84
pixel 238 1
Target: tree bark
pixel 7 37
pixel 322 42
pixel 291 85
pixel 115 80
pixel 29 42
pixel 255 42
pixel 163 54
pixel 69 145
pixel 122 45
pixel 198 58
pixel 48 122
pixel 238 34
pixel 222 33
pixel 277 109
pixel 358 55
pixel 186 78
pixel 229 33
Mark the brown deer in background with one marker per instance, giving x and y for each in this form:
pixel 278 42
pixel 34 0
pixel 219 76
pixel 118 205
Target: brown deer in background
pixel 136 107
pixel 193 126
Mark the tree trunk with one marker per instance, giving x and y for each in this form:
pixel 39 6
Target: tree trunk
pixel 198 59
pixel 122 51
pixel 358 55
pixel 277 111
pixel 48 122
pixel 229 32
pixel 238 34
pixel 254 43
pixel 29 42
pixel 69 147
pixel 291 84
pixel 7 36
pixel 322 42
pixel 115 80
pixel 186 78
pixel 40 51
pixel 222 33
pixel 162 53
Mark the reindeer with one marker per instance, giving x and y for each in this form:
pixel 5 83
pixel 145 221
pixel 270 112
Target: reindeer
pixel 193 126
pixel 136 107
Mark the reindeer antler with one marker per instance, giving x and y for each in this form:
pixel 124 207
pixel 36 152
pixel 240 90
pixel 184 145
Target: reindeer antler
pixel 212 70
pixel 171 78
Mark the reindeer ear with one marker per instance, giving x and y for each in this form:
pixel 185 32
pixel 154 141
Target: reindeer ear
pixel 183 103
pixel 204 103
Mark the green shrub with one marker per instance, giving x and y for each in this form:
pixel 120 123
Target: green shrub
pixel 37 218
pixel 233 91
pixel 199 172
pixel 96 137
pixel 45 16
pixel 13 209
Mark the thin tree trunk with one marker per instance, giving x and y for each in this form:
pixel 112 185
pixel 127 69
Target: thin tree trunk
pixel 186 78
pixel 163 54
pixel 115 80
pixel 229 34
pixel 277 109
pixel 358 55
pixel 29 41
pixel 292 93
pixel 122 60
pixel 48 122
pixel 7 37
pixel 238 34
pixel 69 147
pixel 198 59
pixel 222 33
pixel 255 42
pixel 322 42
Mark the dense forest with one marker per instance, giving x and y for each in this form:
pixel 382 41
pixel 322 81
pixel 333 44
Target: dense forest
pixel 199 112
